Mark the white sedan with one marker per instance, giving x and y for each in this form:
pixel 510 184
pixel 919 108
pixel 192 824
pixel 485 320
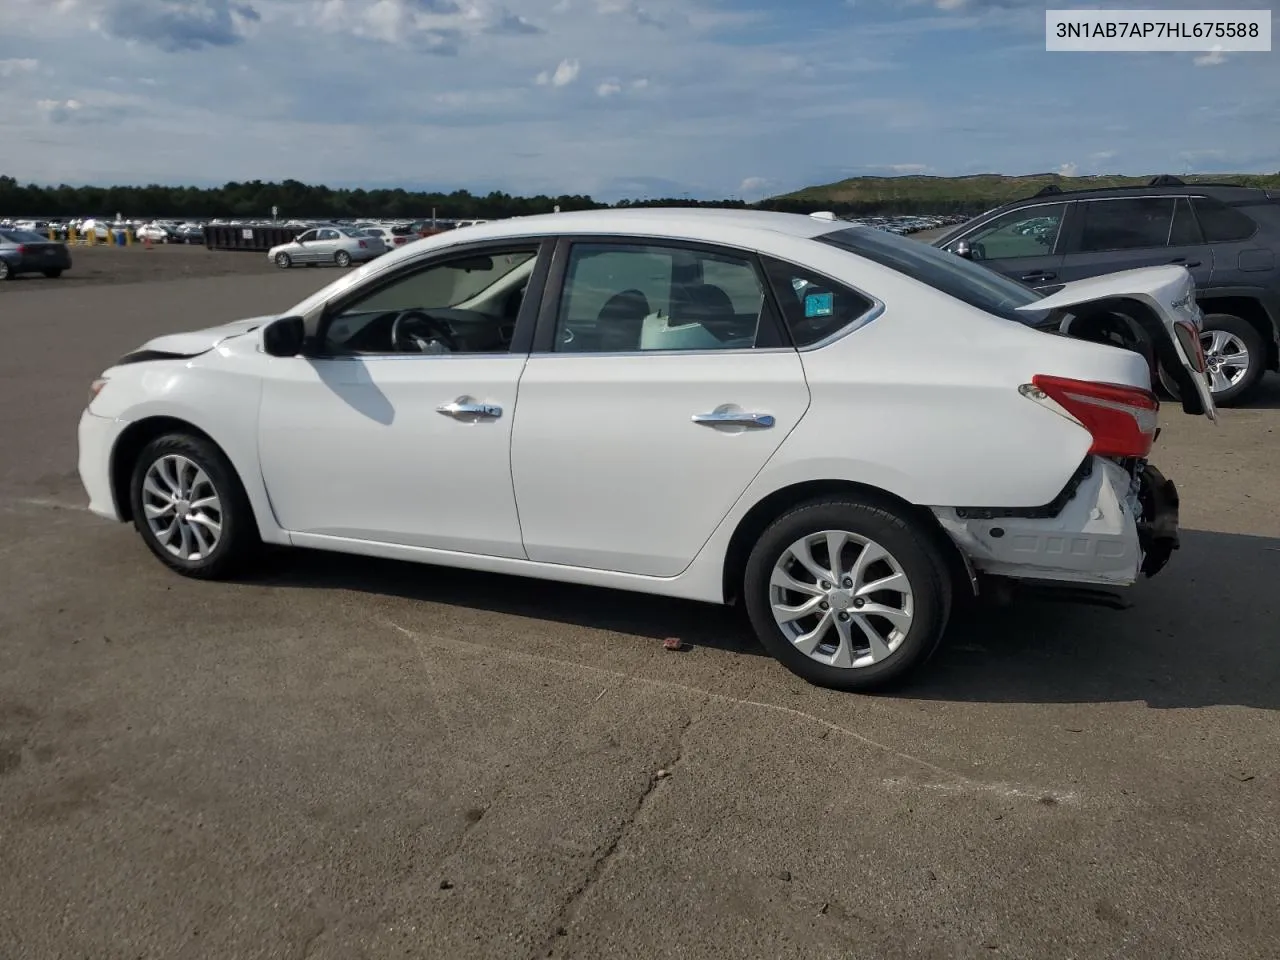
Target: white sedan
pixel 844 430
pixel 341 246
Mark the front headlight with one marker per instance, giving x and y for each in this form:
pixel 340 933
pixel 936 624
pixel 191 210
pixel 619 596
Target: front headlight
pixel 95 388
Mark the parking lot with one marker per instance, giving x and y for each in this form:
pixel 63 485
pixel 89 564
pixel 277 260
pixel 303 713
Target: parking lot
pixel 349 758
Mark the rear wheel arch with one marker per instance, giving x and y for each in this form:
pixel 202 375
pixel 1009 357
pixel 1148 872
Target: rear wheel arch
pixel 780 501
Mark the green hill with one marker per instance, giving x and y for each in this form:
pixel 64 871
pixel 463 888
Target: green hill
pixel 972 194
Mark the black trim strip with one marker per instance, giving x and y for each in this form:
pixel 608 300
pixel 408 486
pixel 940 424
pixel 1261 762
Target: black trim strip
pixel 142 356
pixel 1050 509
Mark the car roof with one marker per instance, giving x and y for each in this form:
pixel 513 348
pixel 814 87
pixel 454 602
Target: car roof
pixel 705 223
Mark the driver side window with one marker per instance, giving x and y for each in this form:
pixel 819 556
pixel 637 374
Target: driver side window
pixel 1029 232
pixel 463 303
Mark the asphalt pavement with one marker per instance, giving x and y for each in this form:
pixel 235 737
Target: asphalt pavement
pixel 347 758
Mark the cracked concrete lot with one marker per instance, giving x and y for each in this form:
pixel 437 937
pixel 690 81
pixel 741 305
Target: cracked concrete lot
pixel 350 759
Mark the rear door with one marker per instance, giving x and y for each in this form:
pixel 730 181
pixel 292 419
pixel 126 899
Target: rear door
pixel 659 385
pixel 1108 235
pixel 1023 244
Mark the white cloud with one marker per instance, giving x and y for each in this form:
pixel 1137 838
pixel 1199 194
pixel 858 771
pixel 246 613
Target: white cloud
pixel 564 74
pixel 608 88
pixel 640 83
pixel 1211 59
pixel 1068 169
pixel 9 68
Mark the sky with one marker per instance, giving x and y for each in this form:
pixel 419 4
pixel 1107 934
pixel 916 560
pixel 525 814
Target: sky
pixel 612 98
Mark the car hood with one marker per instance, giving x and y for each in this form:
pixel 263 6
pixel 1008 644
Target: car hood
pixel 194 342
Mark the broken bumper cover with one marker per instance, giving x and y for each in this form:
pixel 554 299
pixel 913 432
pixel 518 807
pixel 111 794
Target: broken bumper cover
pixel 1110 530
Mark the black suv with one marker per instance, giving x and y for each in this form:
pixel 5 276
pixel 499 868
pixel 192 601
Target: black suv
pixel 1227 236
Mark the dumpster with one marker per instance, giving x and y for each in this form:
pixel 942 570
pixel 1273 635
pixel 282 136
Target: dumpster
pixel 240 237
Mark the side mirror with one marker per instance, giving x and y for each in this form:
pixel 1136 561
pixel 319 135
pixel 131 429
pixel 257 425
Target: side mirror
pixel 284 337
pixel 961 248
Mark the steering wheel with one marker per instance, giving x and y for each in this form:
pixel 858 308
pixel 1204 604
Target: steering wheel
pixel 416 330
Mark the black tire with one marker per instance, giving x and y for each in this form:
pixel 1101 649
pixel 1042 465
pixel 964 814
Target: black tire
pixel 1248 335
pixel 915 550
pixel 5 272
pixel 53 274
pixel 239 542
pixel 284 261
pixel 342 258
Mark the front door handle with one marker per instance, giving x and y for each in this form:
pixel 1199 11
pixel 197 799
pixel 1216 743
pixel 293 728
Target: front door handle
pixel 465 407
pixel 760 421
pixel 1039 275
pixel 1185 262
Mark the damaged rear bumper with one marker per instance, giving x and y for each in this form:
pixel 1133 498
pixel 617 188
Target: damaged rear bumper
pixel 1110 529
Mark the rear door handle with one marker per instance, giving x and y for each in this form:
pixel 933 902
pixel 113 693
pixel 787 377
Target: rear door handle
pixel 761 421
pixel 464 407
pixel 1039 275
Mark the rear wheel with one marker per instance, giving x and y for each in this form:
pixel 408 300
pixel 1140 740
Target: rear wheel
pixel 191 509
pixel 5 272
pixel 847 593
pixel 342 258
pixel 1235 355
pixel 284 261
pixel 53 274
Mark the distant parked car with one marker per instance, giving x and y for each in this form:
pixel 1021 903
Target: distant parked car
pixel 1227 236
pixel 157 233
pixel 342 246
pixel 390 236
pixel 24 252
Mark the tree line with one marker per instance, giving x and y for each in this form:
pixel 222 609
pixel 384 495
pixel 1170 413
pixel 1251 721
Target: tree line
pixel 255 198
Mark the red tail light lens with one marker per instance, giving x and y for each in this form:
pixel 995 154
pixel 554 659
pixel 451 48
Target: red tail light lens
pixel 363 245
pixel 21 249
pixel 1121 419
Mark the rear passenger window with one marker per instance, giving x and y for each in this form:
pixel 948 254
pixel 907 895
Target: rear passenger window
pixel 1222 223
pixel 1185 232
pixel 813 306
pixel 1132 223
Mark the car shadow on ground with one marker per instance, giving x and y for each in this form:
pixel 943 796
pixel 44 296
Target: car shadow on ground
pixel 1204 632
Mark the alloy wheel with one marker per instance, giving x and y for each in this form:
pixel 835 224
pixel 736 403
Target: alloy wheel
pixel 182 506
pixel 841 599
pixel 1226 358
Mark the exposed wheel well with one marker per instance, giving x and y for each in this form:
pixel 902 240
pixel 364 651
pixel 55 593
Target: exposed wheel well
pixel 129 446
pixel 775 504
pixel 1253 313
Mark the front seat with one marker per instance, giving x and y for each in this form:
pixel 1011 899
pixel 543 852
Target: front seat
pixel 707 305
pixel 620 320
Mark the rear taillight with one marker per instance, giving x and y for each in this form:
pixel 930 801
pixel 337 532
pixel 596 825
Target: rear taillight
pixel 21 249
pixel 1189 337
pixel 363 245
pixel 1121 419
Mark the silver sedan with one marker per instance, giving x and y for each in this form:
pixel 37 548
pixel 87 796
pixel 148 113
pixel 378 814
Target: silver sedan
pixel 337 245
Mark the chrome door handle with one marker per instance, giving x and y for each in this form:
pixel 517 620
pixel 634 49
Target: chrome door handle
pixel 463 407
pixel 759 420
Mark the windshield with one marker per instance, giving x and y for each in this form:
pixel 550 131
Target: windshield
pixel 953 275
pixel 24 236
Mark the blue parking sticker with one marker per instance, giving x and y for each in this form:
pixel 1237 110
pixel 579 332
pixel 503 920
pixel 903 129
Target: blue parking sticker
pixel 819 305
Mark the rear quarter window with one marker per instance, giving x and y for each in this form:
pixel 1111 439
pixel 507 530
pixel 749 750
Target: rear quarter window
pixel 1220 223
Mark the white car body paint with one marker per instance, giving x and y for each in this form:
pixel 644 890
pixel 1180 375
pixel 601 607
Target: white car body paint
pixel 596 472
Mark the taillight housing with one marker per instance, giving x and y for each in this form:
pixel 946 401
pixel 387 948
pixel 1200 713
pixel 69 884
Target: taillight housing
pixel 1121 419
pixel 21 249
pixel 363 245
pixel 1189 338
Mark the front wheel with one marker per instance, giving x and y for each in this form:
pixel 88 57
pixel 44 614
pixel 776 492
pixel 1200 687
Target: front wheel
pixel 342 258
pixel 847 593
pixel 283 261
pixel 1235 356
pixel 190 508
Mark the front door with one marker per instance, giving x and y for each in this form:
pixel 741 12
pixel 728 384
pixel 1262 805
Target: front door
pixel 658 388
pixel 397 428
pixel 1022 244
